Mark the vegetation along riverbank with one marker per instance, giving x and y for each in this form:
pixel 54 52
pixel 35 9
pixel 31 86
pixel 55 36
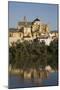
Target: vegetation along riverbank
pixel 33 59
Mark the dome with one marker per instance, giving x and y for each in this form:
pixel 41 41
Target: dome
pixel 36 20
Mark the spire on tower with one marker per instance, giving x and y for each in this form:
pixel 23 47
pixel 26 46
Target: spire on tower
pixel 25 21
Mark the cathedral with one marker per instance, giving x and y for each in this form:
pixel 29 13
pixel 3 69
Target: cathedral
pixel 31 30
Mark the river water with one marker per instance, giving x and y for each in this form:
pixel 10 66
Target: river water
pixel 18 82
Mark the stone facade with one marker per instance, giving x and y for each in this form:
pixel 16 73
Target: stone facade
pixel 31 31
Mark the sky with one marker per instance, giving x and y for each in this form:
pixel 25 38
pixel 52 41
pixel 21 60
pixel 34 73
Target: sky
pixel 47 13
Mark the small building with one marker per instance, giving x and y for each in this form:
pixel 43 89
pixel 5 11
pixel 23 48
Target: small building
pixel 48 68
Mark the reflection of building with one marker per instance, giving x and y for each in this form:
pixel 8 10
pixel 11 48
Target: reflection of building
pixel 32 30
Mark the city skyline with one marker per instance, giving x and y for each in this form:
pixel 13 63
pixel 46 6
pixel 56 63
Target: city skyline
pixel 47 13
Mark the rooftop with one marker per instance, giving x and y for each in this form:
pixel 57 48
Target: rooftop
pixel 22 23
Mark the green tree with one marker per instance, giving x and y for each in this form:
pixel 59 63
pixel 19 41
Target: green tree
pixel 53 54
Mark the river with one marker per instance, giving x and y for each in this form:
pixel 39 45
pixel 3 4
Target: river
pixel 18 82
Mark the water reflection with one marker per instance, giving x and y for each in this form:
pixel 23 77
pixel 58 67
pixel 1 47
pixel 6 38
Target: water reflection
pixel 18 82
